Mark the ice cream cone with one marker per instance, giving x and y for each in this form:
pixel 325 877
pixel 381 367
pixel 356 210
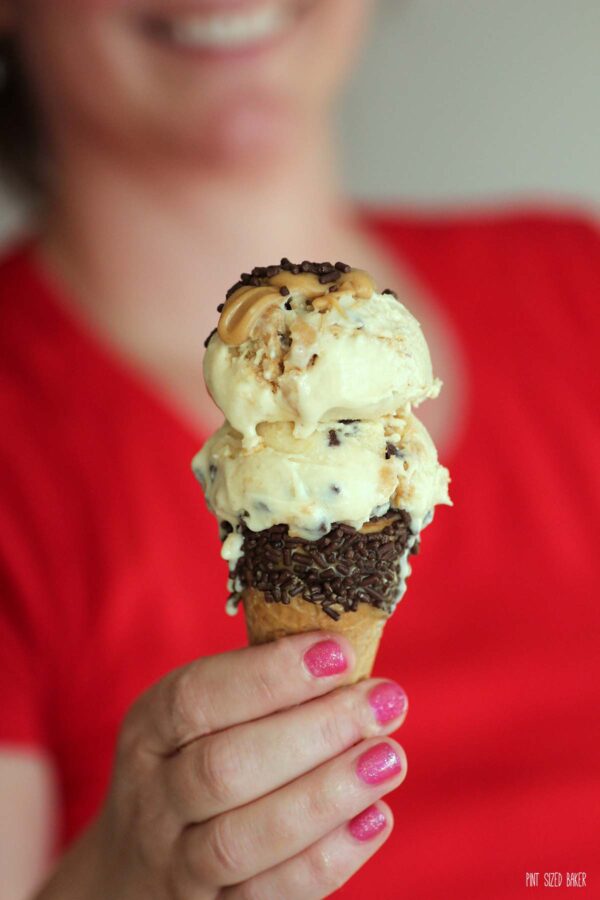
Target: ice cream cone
pixel 269 621
pixel 321 477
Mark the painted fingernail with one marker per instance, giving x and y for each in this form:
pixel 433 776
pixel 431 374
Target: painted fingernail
pixel 388 701
pixel 325 658
pixel 367 824
pixel 378 764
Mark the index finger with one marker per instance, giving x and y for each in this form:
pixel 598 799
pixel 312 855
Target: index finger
pixel 216 692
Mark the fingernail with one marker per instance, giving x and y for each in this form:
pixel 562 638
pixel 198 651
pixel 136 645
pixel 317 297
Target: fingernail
pixel 325 658
pixel 378 764
pixel 388 701
pixel 367 824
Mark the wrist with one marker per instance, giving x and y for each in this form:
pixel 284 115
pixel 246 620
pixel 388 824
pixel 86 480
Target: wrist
pixel 80 873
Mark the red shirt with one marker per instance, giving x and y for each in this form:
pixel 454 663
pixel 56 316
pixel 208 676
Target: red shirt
pixel 110 573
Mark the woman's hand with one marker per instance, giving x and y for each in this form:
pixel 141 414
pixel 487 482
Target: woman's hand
pixel 245 775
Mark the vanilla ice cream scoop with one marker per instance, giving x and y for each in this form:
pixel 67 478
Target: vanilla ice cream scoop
pixel 314 343
pixel 345 471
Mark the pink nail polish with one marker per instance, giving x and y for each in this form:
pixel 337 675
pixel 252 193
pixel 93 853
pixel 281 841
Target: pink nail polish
pixel 388 701
pixel 367 824
pixel 325 658
pixel 378 764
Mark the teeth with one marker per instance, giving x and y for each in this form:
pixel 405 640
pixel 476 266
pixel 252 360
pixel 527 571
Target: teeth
pixel 230 30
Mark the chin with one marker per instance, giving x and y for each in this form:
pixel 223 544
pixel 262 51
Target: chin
pixel 249 132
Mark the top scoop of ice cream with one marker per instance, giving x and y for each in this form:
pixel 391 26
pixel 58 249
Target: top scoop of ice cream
pixel 314 343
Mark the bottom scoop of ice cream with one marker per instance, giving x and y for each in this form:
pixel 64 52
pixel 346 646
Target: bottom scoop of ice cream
pixel 344 472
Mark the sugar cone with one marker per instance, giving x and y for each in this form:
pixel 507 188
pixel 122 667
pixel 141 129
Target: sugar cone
pixel 269 621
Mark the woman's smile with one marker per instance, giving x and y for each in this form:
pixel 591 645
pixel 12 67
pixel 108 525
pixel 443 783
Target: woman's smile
pixel 225 30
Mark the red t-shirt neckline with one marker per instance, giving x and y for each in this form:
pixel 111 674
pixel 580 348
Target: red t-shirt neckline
pixel 121 369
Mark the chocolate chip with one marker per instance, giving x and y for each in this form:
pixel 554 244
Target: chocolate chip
pixel 336 488
pixel 287 304
pixel 334 440
pixel 392 450
pixel 284 291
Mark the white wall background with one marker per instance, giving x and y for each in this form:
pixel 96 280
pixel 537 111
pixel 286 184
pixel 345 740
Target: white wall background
pixel 471 101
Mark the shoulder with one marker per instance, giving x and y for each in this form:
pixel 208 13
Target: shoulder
pixel 47 396
pixel 31 335
pixel 33 367
pixel 525 235
pixel 51 377
pixel 519 257
pixel 493 226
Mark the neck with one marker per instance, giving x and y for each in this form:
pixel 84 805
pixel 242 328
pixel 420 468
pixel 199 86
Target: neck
pixel 154 249
pixel 147 254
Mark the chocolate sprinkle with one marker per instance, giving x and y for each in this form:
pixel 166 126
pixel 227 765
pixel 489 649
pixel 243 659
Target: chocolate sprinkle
pixel 390 291
pixel 327 277
pixel 206 342
pixel 326 272
pixel 338 571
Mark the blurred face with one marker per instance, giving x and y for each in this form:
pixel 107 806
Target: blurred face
pixel 228 82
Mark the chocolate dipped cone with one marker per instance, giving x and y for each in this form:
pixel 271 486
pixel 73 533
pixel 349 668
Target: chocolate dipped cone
pixel 346 582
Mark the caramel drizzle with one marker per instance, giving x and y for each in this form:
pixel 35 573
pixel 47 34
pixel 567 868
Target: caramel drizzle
pixel 246 306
